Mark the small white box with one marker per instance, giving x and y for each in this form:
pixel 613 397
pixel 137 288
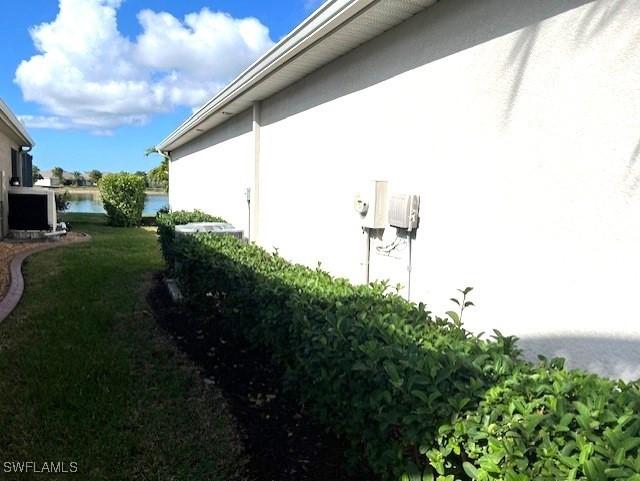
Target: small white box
pixel 371 203
pixel 404 211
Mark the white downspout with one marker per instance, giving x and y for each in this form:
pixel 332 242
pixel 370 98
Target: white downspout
pixel 167 156
pixel 255 191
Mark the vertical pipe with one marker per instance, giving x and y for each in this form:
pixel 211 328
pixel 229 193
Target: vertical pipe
pixel 255 200
pixel 409 271
pixel 168 157
pixel 367 254
pixel 248 194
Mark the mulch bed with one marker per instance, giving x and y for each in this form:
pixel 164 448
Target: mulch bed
pixel 281 440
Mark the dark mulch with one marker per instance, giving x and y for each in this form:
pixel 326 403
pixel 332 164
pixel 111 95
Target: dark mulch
pixel 281 440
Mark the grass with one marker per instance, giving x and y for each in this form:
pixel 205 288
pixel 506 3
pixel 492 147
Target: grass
pixel 86 377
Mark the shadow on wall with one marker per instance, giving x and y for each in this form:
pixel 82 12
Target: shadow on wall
pixel 611 357
pixel 632 177
pixel 437 32
pixel 595 19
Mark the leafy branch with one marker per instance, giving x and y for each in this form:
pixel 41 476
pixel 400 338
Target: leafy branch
pixel 462 304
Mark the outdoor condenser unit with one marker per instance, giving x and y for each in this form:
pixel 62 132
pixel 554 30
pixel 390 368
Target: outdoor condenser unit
pixel 31 208
pixel 404 210
pixel 221 228
pixel 218 228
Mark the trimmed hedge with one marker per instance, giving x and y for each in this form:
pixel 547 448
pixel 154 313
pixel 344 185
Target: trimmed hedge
pixel 415 395
pixel 167 222
pixel 545 423
pixel 123 198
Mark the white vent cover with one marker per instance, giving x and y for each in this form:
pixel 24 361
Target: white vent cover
pixel 404 210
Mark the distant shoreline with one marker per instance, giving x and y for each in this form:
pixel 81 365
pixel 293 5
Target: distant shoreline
pixel 94 190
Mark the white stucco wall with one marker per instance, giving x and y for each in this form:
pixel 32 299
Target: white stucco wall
pixel 213 172
pixel 7 142
pixel 517 123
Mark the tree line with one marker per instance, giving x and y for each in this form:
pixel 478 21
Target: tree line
pixel 156 178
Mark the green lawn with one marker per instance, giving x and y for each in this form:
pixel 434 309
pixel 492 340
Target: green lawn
pixel 86 377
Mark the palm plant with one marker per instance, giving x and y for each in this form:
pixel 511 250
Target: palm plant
pixel 77 177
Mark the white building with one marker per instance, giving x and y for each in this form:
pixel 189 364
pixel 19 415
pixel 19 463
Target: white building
pixel 22 207
pixel 47 181
pixel 516 122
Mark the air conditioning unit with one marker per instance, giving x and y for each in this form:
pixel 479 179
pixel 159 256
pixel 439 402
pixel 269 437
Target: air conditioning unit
pixel 404 211
pixel 220 228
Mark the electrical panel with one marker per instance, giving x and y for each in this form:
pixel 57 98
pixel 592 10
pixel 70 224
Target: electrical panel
pixel 404 211
pixel 372 204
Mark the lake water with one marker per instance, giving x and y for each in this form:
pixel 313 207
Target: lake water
pixel 91 203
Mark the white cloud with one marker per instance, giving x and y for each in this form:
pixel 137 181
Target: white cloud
pixel 44 122
pixel 88 75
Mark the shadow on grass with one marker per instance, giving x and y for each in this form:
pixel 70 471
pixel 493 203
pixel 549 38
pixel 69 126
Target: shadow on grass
pixel 98 219
pixel 86 377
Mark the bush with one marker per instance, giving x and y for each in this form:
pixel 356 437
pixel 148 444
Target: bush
pixel 123 198
pixel 414 394
pixel 547 424
pixel 62 201
pixel 381 372
pixel 167 222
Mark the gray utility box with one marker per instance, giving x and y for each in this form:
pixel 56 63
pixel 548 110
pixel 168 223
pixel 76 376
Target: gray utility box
pixel 221 228
pixel 217 228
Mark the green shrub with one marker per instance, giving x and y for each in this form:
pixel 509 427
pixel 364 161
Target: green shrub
pixel 62 201
pixel 167 222
pixel 123 198
pixel 413 394
pixel 381 372
pixel 545 423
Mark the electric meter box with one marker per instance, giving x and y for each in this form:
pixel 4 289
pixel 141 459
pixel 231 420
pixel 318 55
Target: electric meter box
pixel 372 204
pixel 404 211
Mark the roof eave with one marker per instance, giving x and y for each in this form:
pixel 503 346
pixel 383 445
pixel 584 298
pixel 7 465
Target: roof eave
pixel 330 15
pixel 15 125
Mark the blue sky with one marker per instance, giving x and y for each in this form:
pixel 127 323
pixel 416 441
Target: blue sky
pixel 95 96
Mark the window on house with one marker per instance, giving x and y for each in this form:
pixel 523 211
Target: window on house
pixel 14 163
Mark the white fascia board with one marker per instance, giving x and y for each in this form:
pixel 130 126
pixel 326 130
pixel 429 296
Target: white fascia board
pixel 322 22
pixel 11 121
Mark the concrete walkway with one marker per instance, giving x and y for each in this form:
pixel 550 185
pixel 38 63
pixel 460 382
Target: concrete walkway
pixel 16 287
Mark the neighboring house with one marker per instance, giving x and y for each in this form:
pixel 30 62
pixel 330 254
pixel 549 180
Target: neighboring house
pixel 67 178
pixel 15 162
pixel 22 207
pixel 86 176
pixel 517 123
pixel 48 180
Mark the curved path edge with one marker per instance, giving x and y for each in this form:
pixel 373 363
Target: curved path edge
pixel 16 288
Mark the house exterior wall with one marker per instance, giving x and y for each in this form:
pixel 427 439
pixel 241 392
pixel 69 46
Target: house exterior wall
pixel 515 121
pixel 7 142
pixel 213 172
